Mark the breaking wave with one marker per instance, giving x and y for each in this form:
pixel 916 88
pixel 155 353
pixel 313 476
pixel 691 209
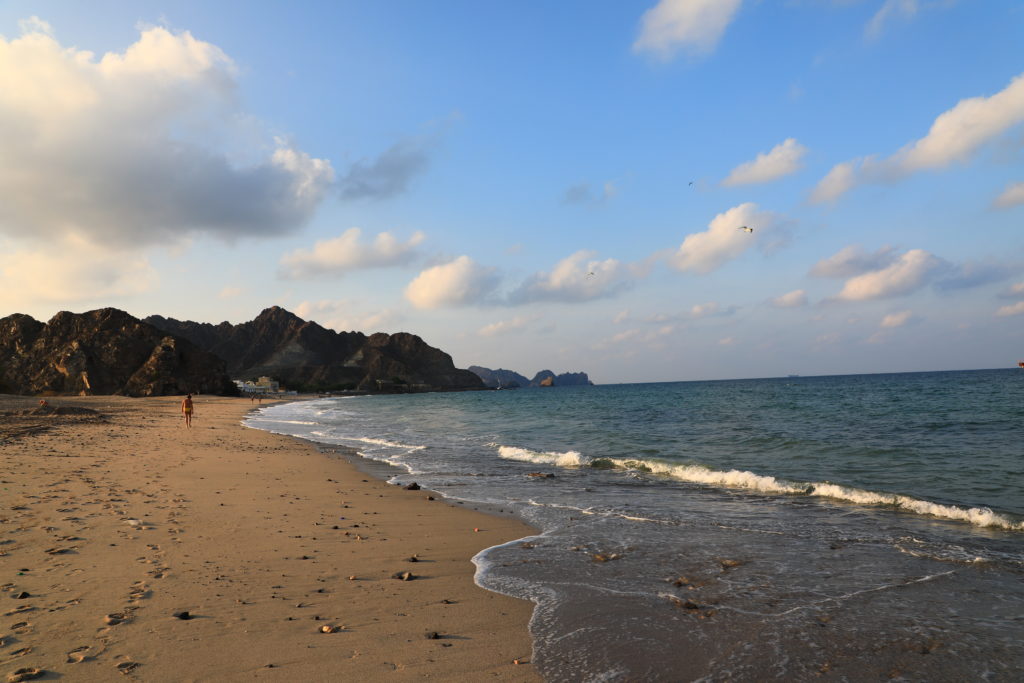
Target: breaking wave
pixel 742 479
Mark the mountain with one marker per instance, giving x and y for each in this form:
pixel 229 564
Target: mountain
pixel 105 351
pixel 302 355
pixel 493 379
pixel 508 378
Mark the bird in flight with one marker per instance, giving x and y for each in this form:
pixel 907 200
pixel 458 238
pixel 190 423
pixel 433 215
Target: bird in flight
pixel 590 273
pixel 746 229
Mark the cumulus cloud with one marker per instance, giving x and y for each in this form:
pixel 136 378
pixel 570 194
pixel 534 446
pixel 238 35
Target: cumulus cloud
pixel 853 260
pixel 390 173
pixel 344 253
pixel 910 272
pixel 461 282
pixel 955 136
pixel 1011 309
pixel 794 299
pixel 652 338
pixel 503 327
pixel 783 159
pixel 695 26
pixel 711 309
pixel 342 315
pixel 727 341
pixel 578 277
pixel 889 9
pixel 723 241
pixel 70 270
pixel 120 149
pixel 897 319
pixel 1013 195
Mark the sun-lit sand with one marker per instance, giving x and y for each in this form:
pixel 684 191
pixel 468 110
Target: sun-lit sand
pixel 114 523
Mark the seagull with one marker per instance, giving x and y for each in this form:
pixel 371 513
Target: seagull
pixel 746 229
pixel 691 183
pixel 590 273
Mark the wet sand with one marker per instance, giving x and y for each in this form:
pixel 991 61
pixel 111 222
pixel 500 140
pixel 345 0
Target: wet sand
pixel 113 522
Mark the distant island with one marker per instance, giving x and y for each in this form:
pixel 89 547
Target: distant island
pixel 509 379
pixel 108 351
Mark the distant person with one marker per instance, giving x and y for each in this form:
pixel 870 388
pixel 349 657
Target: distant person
pixel 187 408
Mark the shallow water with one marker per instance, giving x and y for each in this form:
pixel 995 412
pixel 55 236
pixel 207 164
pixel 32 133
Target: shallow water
pixel 854 527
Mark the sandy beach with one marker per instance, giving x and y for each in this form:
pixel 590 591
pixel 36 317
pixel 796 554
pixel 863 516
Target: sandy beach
pixel 113 522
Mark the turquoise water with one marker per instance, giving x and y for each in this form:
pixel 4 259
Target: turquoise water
pixel 712 529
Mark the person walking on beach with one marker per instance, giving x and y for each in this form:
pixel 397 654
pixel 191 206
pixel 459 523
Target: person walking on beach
pixel 187 409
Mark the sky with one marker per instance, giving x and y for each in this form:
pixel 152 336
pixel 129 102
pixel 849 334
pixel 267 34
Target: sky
pixel 643 190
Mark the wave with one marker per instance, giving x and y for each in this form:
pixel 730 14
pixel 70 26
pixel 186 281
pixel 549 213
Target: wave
pixel 742 479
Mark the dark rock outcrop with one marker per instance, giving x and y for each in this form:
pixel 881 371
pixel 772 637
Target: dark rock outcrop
pixel 302 355
pixel 506 379
pixel 544 378
pixel 105 351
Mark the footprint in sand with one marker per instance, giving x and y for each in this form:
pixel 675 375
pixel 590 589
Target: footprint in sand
pixel 80 654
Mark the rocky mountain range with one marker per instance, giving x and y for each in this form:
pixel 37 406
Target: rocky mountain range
pixel 509 379
pixel 105 351
pixel 302 355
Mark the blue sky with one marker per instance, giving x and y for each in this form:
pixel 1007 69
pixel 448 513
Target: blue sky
pixel 532 185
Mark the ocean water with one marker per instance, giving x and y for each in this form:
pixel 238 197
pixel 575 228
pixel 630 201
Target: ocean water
pixel 865 527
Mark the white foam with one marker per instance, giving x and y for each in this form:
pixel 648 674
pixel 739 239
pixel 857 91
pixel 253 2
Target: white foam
pixel 976 516
pixel 567 459
pixel 385 442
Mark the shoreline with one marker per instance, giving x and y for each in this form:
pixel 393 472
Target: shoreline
pixel 112 524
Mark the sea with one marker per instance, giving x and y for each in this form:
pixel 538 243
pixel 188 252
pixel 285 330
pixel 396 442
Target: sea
pixel 855 527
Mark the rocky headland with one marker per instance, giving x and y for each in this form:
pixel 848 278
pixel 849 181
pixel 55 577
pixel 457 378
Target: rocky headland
pixel 509 379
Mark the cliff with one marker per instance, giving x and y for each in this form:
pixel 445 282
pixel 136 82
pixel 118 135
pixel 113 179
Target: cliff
pixel 305 356
pixel 105 351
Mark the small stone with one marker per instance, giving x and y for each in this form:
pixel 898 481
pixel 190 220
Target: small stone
pixel 182 615
pixel 329 628
pixel 403 576
pixel 412 487
pixel 432 635
pixel 22 595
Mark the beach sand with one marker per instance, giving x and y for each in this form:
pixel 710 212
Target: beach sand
pixel 112 522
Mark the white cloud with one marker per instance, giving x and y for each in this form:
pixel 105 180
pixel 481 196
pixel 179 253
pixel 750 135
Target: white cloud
pixel 782 160
pixel 954 136
pixel 727 341
pixel 621 317
pixel 70 270
pixel 1011 309
pixel 711 308
pixel 723 241
pixel 345 253
pixel 853 260
pixel 390 173
pixel 1013 195
pixel 794 299
pixel 897 319
pixel 578 277
pixel 693 25
pixel 142 146
pixel 503 327
pixel 1014 291
pixel 837 182
pixel 458 283
pixel 652 338
pixel 911 271
pixel 342 316
pixel 889 9
pixel 230 292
